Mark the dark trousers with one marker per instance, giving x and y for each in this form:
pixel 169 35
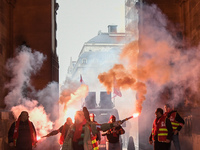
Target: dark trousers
pixel 161 145
pixel 175 140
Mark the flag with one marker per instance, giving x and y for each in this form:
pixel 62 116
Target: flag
pixel 116 90
pixel 81 79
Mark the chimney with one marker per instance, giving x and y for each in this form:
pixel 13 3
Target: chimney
pixel 112 28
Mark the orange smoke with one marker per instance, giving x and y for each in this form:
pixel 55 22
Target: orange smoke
pixel 139 66
pixel 125 75
pixel 68 97
pixel 124 80
pixel 154 68
pixel 140 96
pixel 130 54
pixel 118 74
pixel 160 73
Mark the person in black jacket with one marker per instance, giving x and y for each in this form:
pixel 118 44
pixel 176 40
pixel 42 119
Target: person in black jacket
pixel 22 134
pixel 177 124
pixel 161 131
pixel 113 136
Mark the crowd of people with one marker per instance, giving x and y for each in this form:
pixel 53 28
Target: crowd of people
pixel 84 133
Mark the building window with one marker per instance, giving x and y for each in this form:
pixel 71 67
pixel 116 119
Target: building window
pixel 84 61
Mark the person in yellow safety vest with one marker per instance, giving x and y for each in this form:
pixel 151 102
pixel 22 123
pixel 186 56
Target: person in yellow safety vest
pixel 177 124
pixel 81 135
pixel 161 131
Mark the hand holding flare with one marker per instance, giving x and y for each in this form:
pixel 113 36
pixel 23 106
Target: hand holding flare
pixel 133 116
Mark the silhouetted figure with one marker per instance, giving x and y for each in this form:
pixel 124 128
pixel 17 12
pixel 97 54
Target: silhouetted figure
pixel 131 145
pixel 63 130
pixel 86 113
pixel 22 134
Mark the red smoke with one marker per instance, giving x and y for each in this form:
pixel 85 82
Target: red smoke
pixel 126 74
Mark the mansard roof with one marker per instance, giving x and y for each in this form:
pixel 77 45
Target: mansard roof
pixel 108 38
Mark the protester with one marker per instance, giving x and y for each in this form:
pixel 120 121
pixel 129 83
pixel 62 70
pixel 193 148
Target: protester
pixel 86 113
pixel 177 124
pixel 81 135
pixel 22 134
pixel 161 132
pixel 131 145
pixel 92 119
pixel 63 130
pixel 113 136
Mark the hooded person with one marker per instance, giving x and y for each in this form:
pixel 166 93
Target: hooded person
pixel 86 113
pixel 22 134
pixel 81 135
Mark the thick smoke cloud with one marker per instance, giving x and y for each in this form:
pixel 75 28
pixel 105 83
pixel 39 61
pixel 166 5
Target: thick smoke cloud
pixel 165 58
pixel 21 68
pixel 43 109
pixel 72 92
pixel 124 80
pixel 48 97
pixel 160 61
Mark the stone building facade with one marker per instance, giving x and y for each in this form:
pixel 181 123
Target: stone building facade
pixel 183 15
pixel 97 54
pixel 32 23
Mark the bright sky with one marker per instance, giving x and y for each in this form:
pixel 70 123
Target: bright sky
pixel 80 20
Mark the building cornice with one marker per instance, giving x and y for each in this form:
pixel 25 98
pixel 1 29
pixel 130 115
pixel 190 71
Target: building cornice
pixel 102 44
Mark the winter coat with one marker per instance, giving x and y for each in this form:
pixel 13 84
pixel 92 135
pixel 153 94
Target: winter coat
pixel 24 139
pixel 87 143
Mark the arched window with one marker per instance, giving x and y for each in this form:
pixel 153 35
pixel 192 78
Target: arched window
pixel 84 61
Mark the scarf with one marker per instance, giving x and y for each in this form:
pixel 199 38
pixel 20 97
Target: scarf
pixel 78 130
pixel 94 140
